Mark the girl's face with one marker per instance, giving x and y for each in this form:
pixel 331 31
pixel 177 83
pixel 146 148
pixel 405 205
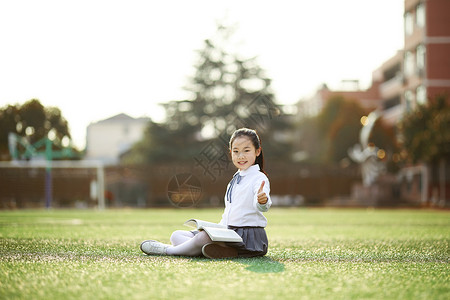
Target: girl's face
pixel 243 153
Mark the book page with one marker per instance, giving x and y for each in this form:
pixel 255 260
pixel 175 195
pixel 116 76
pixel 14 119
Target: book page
pixel 200 224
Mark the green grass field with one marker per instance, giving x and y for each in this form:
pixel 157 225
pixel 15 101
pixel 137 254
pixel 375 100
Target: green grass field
pixel 314 254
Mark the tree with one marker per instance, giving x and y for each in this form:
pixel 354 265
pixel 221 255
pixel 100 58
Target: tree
pixel 425 132
pixel 32 121
pixel 425 138
pixel 228 92
pixel 163 143
pixel 9 116
pixel 339 127
pixel 309 142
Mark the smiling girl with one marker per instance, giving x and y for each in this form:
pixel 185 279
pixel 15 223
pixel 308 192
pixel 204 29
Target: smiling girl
pixel 246 198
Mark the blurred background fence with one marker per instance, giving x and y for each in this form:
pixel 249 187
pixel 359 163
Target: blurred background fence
pixel 26 187
pixel 150 186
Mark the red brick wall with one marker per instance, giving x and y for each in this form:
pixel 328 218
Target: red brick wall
pixel 438 61
pixel 438 18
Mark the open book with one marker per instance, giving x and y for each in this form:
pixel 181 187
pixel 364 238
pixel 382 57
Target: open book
pixel 217 232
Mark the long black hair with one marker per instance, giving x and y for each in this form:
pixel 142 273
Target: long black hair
pixel 256 141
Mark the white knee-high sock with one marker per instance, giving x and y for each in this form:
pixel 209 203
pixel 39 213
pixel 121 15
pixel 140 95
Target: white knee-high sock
pixel 180 236
pixel 191 247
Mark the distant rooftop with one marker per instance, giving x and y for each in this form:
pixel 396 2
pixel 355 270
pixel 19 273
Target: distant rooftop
pixel 121 118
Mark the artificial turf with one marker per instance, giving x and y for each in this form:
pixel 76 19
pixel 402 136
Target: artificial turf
pixel 313 254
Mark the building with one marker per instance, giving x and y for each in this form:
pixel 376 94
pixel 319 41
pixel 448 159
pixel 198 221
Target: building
pixel 369 99
pixel 107 139
pixel 426 58
pixel 421 70
pixel 415 75
pixel 391 79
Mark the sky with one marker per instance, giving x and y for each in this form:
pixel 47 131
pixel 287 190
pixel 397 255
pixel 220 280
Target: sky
pixel 94 59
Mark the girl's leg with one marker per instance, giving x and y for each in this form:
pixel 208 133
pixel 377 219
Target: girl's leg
pixel 180 236
pixel 191 247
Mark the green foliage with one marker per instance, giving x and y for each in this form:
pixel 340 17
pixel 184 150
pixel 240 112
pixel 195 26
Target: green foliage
pixel 309 141
pixel 31 120
pixel 425 131
pixel 384 136
pixel 327 138
pixel 313 254
pixel 9 116
pixel 162 143
pixel 228 93
pixel 339 124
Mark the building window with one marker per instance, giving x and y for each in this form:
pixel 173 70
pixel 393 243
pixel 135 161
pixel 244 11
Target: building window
pixel 409 100
pixel 420 59
pixel 409 24
pixel 391 102
pixel 420 15
pixel 408 64
pixel 421 95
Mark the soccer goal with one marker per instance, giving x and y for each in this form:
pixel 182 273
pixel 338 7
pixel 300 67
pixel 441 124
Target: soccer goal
pixel 52 184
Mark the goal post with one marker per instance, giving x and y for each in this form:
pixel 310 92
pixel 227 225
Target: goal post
pixel 23 178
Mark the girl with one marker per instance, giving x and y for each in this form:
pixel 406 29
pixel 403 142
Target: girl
pixel 247 197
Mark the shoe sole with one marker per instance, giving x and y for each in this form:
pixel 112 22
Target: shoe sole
pixel 213 251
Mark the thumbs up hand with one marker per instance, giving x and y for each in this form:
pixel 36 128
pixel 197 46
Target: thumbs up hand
pixel 262 197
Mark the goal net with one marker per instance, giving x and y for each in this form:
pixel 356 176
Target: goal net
pixel 51 184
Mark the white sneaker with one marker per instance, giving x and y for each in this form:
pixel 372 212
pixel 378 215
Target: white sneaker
pixel 151 247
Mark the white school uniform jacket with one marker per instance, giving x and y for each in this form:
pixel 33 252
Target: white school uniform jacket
pixel 244 209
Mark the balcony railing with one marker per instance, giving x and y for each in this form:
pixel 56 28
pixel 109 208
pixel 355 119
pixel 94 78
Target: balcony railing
pixel 392 87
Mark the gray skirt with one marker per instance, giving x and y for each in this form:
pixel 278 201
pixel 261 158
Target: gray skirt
pixel 254 241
